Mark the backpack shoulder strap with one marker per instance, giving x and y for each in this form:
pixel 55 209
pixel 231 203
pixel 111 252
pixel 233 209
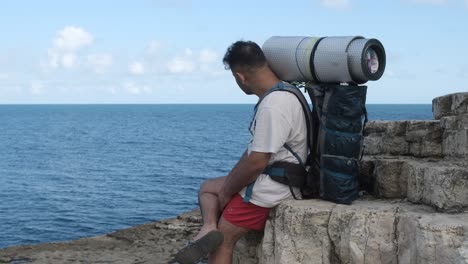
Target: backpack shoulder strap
pixel 284 86
pixel 310 123
pixel 308 118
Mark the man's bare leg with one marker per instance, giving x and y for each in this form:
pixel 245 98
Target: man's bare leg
pixel 209 206
pixel 232 233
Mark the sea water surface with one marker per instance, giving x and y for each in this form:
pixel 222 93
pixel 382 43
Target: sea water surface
pixel 73 171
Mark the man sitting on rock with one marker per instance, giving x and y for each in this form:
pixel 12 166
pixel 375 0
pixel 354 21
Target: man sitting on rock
pixel 234 204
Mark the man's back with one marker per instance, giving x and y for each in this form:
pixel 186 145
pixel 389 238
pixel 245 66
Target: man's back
pixel 279 120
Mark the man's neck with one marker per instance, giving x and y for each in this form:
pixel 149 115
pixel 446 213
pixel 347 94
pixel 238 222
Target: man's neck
pixel 267 86
pixel 265 81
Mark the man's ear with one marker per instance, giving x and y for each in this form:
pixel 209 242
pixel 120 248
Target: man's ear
pixel 240 76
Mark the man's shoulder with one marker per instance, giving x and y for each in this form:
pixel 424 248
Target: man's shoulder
pixel 280 99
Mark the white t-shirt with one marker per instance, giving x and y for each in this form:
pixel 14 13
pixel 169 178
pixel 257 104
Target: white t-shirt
pixel 279 120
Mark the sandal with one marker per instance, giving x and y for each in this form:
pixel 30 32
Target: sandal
pixel 196 250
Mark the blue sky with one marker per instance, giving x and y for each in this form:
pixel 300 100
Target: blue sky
pixel 163 51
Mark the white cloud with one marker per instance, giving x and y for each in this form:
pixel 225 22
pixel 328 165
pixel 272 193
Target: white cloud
pixel 66 44
pixel 99 62
pixel 154 47
pixel 68 60
pixel 188 52
pixel 208 56
pixel 136 68
pixel 36 87
pixel 209 62
pixel 146 89
pixel 134 89
pixel 53 61
pixel 111 90
pixel 335 4
pixel 181 65
pixel 466 3
pixel 72 38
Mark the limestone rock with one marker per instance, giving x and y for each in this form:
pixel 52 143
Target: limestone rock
pixel 456 143
pixel 383 177
pixel 248 249
pixel 364 232
pixel 428 237
pixel 454 122
pixel 368 231
pixel 443 185
pixel 385 138
pixel 297 233
pixel 455 136
pixel 155 242
pixel 437 138
pixel 450 105
pixel 424 138
pixel 438 183
pixel 416 138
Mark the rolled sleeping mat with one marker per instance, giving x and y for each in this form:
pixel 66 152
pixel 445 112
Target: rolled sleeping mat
pixel 351 59
pixel 289 57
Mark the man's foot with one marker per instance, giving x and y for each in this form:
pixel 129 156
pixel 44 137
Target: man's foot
pixel 200 248
pixel 203 231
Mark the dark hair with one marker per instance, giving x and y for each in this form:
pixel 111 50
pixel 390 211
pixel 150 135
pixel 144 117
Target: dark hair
pixel 244 54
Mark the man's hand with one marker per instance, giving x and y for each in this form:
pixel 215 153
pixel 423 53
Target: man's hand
pixel 245 172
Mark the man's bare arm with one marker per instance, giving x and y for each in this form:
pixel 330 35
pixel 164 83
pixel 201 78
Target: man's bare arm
pixel 239 162
pixel 246 171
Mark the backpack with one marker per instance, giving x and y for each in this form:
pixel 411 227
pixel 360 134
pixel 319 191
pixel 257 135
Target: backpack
pixel 335 127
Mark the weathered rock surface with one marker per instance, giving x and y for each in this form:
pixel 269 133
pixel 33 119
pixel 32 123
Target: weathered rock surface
pixel 428 237
pixel 455 136
pixel 291 224
pixel 410 138
pixel 450 105
pixel 382 176
pixel 369 231
pixel 155 242
pixel 439 183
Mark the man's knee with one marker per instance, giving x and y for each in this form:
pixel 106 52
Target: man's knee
pixel 211 185
pixel 206 186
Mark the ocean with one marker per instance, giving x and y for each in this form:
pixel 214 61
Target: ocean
pixel 73 171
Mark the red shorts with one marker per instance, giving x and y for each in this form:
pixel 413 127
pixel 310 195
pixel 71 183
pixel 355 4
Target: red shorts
pixel 246 215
